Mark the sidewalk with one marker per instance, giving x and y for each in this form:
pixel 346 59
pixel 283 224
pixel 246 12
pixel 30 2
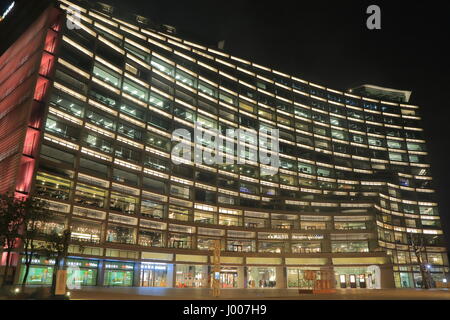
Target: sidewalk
pixel 139 293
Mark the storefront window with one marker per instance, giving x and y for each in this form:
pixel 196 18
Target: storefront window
pixel 154 274
pixel 261 277
pixel 300 278
pixel 82 272
pixel 188 276
pixel 119 274
pixel 40 273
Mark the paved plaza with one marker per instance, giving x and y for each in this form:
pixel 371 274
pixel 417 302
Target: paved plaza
pixel 261 294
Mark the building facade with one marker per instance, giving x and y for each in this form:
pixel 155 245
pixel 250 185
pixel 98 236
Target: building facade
pixel 89 99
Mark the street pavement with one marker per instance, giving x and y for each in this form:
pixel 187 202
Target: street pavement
pixel 139 293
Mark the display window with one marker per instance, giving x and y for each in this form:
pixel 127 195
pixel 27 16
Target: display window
pixel 40 272
pixel 119 274
pixel 154 275
pixel 261 277
pixel 189 276
pixel 82 272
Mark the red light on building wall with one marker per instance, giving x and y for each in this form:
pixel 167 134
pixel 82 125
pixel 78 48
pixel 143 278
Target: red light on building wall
pixel 31 142
pixel 51 41
pixel 41 89
pixel 25 178
pixel 47 63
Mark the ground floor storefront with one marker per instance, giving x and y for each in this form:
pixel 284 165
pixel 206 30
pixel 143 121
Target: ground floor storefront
pixel 110 273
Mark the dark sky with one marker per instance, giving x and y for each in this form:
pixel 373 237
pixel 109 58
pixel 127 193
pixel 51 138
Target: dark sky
pixel 327 42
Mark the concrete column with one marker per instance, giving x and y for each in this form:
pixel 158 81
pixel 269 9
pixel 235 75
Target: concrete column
pixel 241 280
pixel 137 275
pixel 101 273
pixel 387 277
pixel 171 275
pixel 281 277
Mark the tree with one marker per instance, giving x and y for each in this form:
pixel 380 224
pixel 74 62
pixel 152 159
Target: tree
pixel 36 213
pixel 418 247
pixel 11 222
pixel 56 247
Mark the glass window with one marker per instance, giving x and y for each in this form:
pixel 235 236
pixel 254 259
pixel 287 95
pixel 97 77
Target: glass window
pixel 101 120
pixel 152 209
pixel 124 204
pixel 148 238
pixel 261 277
pixel 162 66
pixel 160 102
pixel 137 52
pixel 227 98
pixel 90 196
pixel 121 234
pixel 52 186
pixel 67 104
pixel 130 131
pixel 107 75
pixel 186 78
pixel 97 142
pixel 127 154
pixel 134 111
pixel 349 246
pixel 179 241
pixel 158 142
pixel 179 213
pixel 135 90
pixel 375 141
pixel 207 89
pixel 58 127
pixel 86 231
pixel 188 276
pixel 306 168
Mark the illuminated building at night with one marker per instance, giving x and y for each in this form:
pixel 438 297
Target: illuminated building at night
pixel 88 104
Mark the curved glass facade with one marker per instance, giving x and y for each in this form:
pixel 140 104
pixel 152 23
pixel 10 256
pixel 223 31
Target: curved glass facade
pixel 353 189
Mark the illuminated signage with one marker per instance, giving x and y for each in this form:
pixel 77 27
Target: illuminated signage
pixel 7 11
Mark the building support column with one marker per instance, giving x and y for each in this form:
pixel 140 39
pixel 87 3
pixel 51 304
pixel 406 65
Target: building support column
pixel 137 275
pixel 241 277
pixel 101 274
pixel 280 277
pixel 171 275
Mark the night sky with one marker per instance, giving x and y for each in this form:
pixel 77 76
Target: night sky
pixel 327 42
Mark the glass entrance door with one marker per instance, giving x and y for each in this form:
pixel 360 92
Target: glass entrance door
pixel 153 275
pixel 352 281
